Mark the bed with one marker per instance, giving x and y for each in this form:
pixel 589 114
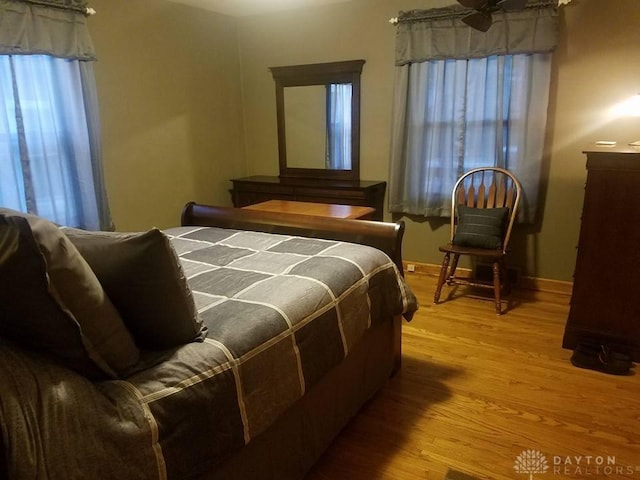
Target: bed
pixel 300 325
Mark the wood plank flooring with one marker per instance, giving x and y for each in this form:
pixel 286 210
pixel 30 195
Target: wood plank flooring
pixel 477 390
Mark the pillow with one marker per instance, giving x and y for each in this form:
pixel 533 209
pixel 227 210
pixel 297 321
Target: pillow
pixel 33 311
pixel 142 275
pixel 480 227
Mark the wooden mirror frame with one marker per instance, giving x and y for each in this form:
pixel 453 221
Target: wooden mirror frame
pixel 319 74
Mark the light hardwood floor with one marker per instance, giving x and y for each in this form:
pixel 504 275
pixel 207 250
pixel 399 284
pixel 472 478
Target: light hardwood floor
pixel 476 390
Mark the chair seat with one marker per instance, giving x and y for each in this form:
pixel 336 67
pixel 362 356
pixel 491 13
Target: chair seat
pixel 480 252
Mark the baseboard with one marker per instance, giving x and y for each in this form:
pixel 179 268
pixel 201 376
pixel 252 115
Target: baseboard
pixel 529 283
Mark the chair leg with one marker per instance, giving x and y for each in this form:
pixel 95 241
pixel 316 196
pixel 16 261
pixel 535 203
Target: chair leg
pixel 505 277
pixel 497 286
pixel 443 276
pixel 452 269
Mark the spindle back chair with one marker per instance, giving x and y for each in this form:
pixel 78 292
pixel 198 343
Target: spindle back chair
pixel 484 207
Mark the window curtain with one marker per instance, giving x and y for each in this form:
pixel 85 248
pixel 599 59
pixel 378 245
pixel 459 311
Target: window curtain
pixel 464 99
pixel 339 126
pixel 50 154
pixel 50 27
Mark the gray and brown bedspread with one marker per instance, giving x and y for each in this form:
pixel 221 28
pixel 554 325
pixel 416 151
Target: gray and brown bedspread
pixel 281 311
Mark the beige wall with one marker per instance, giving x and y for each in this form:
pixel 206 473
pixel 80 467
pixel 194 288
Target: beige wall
pixel 595 66
pixel 170 105
pixel 187 102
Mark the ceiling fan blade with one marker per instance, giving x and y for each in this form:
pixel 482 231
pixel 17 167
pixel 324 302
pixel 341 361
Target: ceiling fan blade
pixel 512 4
pixel 478 20
pixel 475 4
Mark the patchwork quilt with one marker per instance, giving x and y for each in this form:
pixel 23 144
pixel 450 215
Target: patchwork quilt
pixel 281 311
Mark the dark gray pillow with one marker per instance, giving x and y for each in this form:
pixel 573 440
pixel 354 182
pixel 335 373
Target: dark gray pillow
pixel 480 227
pixel 142 275
pixel 32 312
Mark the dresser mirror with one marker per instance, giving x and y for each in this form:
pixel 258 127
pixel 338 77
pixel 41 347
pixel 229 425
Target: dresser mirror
pixel 318 115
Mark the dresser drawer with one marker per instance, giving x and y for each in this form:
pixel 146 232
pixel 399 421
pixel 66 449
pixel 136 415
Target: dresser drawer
pixel 329 193
pixel 264 188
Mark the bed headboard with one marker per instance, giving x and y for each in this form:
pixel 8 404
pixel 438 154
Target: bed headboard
pixel 384 236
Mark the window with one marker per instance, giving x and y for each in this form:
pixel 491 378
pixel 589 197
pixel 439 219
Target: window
pixel 463 114
pixel 45 145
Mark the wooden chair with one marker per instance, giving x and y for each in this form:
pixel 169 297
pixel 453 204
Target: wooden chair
pixel 481 188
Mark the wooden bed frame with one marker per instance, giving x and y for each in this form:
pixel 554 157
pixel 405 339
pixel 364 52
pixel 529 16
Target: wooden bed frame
pixel 288 449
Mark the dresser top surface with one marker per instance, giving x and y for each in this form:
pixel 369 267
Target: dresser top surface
pixel 615 150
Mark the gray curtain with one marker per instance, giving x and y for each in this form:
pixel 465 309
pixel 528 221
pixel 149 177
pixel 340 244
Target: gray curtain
pixel 56 28
pixel 90 97
pixel 439 33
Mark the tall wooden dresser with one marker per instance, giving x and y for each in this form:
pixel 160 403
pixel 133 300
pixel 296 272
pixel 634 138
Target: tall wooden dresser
pixel 605 305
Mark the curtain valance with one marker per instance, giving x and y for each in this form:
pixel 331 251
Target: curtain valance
pixel 45 27
pixel 439 33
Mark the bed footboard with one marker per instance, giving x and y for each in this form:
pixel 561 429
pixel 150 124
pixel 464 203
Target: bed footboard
pixel 381 235
pixel 291 445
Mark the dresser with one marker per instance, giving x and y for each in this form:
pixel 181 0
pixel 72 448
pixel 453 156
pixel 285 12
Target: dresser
pixel 256 189
pixel 605 304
